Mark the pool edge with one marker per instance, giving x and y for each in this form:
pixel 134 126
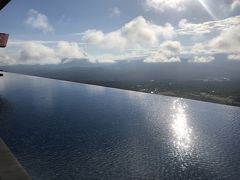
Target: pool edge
pixel 10 168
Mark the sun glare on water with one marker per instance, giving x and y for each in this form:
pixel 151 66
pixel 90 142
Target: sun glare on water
pixel 181 130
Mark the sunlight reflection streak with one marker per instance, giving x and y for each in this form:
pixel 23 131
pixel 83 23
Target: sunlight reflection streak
pixel 182 132
pixel 207 9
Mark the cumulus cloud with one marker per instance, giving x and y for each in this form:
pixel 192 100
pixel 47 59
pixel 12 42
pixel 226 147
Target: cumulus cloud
pixel 40 53
pixel 66 49
pixel 227 42
pixel 115 12
pixel 38 21
pixel 234 57
pixel 137 33
pixel 168 52
pixel 5 58
pixel 112 40
pixel 202 59
pixel 36 53
pixel 162 5
pixel 188 28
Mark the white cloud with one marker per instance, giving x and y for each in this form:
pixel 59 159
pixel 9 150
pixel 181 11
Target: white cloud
pixel 234 57
pixel 43 53
pixel 227 42
pixel 53 53
pixel 5 58
pixel 38 21
pixel 36 53
pixel 202 59
pixel 188 28
pixel 111 58
pixel 66 49
pixel 115 12
pixel 137 33
pixel 112 40
pixel 168 52
pixel 199 48
pixel 162 5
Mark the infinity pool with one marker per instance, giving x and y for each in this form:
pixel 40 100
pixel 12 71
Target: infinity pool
pixel 62 130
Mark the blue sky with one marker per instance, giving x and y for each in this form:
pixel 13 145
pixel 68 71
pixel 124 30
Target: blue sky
pixel 165 31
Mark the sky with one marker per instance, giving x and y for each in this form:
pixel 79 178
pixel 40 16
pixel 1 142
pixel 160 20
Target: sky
pixel 155 31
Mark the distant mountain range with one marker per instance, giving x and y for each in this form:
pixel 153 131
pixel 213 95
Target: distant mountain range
pixel 134 70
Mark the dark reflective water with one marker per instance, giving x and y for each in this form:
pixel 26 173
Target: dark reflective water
pixel 62 130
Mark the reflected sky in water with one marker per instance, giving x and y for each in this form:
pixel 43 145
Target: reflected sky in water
pixel 5 105
pixel 62 130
